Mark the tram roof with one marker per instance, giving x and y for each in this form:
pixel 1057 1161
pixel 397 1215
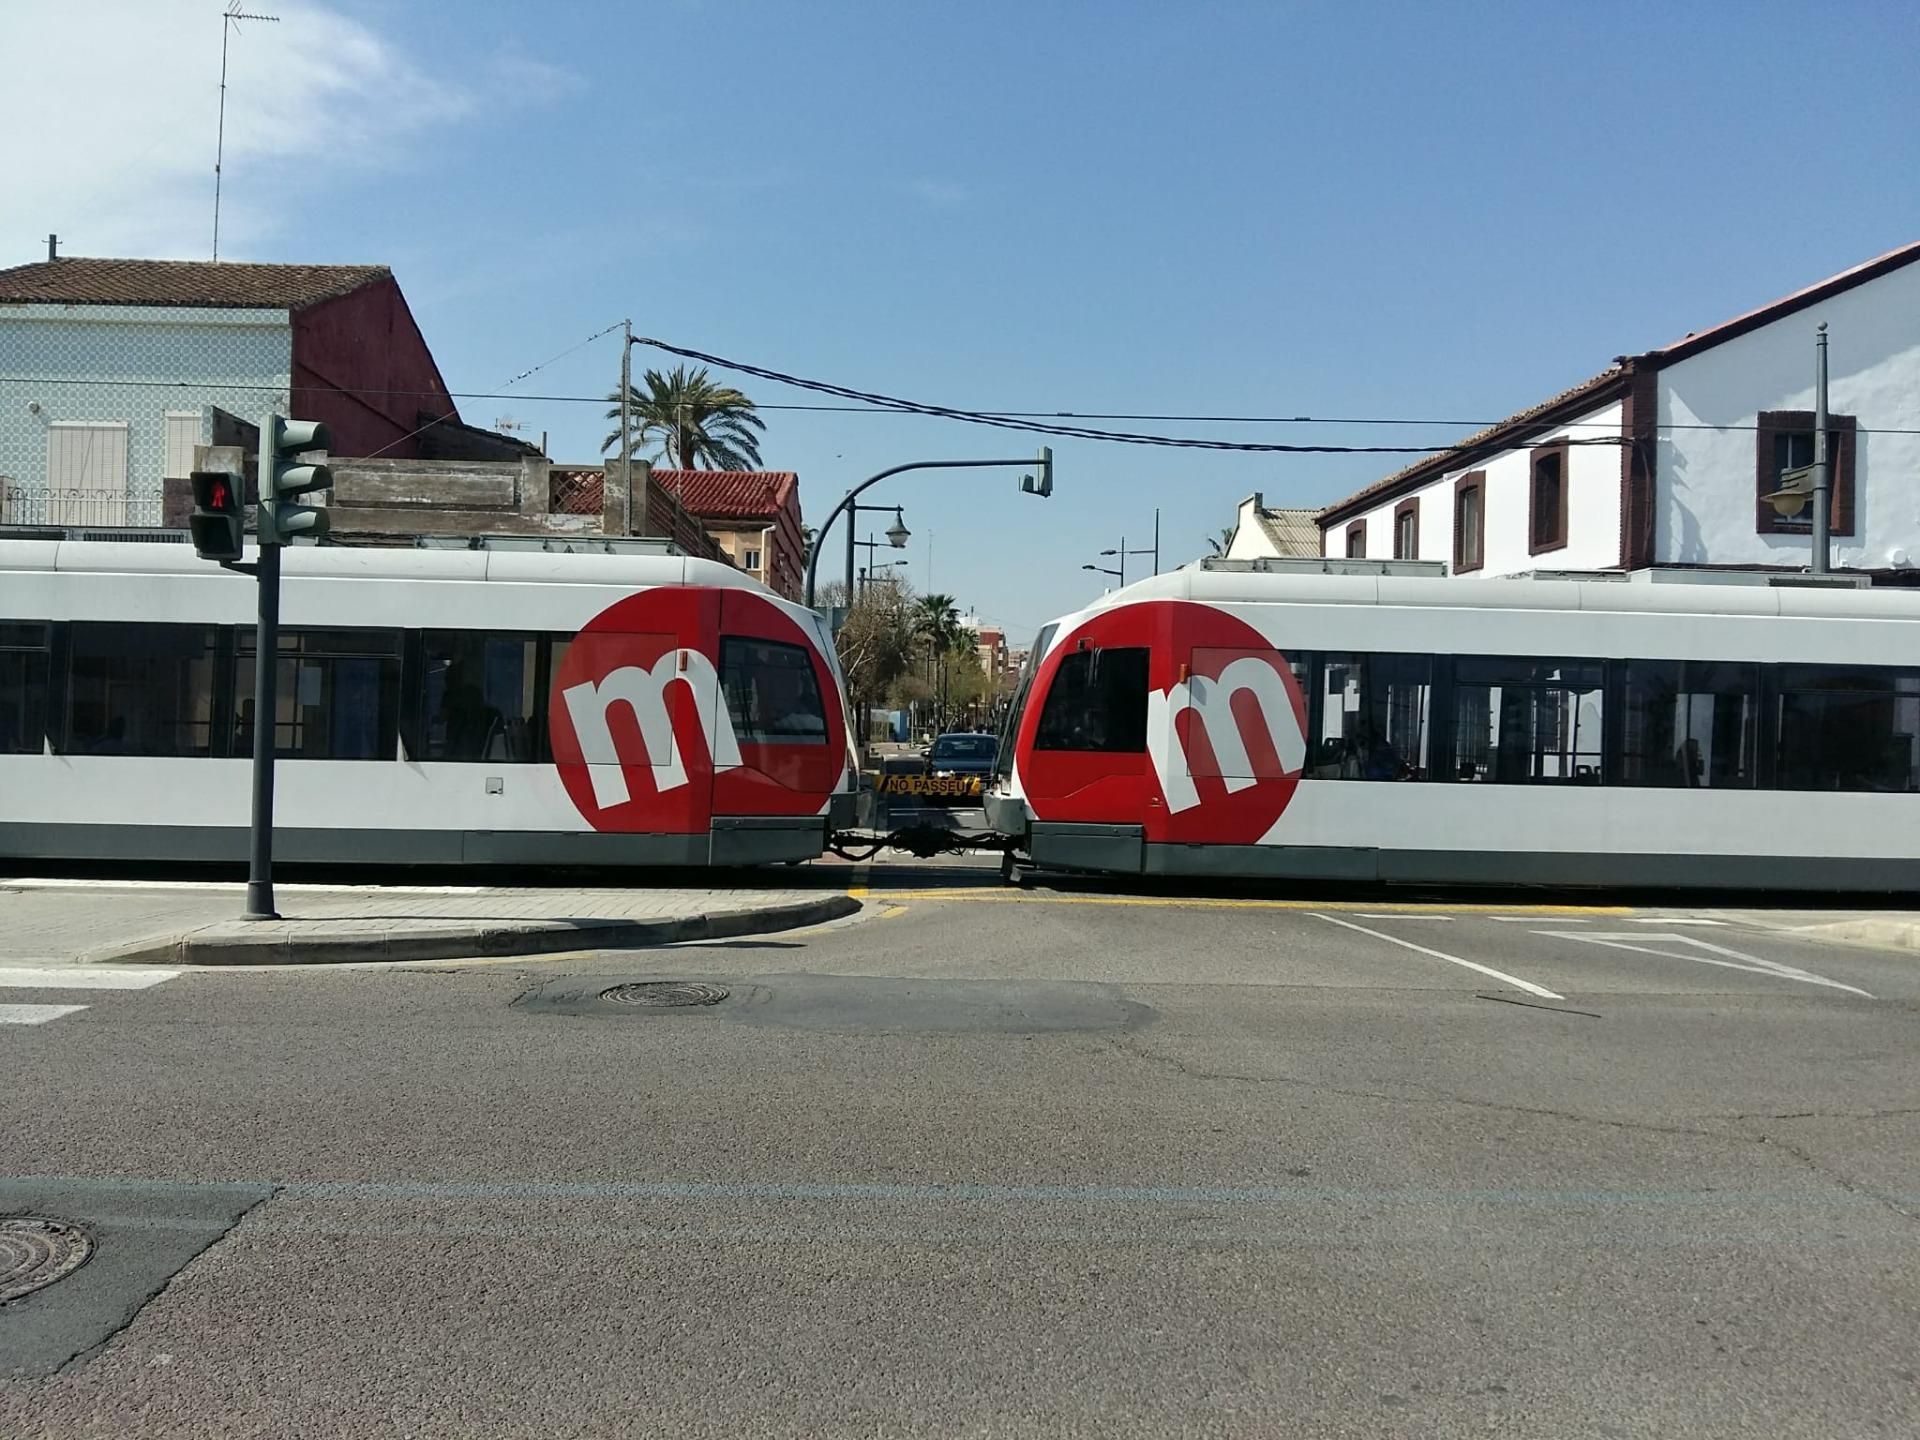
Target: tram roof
pixel 1427 585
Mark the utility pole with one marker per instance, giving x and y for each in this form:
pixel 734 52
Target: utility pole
pixel 626 431
pixel 1822 468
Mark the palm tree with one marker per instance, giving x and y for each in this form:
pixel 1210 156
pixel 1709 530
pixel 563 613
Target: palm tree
pixel 938 619
pixel 695 423
pixel 1219 547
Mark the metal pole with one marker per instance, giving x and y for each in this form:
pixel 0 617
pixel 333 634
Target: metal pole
pixel 266 658
pixel 626 432
pixel 1123 562
pixel 220 137
pixel 851 517
pixel 1822 470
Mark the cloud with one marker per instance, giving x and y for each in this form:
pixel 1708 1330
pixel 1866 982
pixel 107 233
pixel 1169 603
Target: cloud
pixel 939 194
pixel 112 111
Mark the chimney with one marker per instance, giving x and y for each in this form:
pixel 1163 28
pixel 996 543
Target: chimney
pixel 53 248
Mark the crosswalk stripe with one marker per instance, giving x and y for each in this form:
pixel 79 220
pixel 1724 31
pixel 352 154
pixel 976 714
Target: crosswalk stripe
pixel 79 977
pixel 34 1014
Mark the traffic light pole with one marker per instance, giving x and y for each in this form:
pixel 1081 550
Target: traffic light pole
pixel 266 669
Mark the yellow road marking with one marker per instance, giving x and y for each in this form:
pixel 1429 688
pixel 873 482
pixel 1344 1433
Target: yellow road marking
pixel 1005 897
pixel 857 883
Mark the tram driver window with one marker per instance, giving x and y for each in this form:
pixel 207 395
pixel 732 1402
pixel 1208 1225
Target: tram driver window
pixel 1098 702
pixel 1522 721
pixel 1849 727
pixel 773 697
pixel 1373 717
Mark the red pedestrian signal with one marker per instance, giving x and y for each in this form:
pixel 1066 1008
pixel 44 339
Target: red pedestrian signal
pixel 217 526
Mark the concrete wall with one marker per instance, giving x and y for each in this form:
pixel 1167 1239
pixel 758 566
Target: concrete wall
pixel 1593 506
pixel 1704 497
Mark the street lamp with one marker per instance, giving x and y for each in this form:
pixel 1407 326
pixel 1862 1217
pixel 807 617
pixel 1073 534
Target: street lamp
pixel 870 572
pixel 1123 552
pixel 1043 486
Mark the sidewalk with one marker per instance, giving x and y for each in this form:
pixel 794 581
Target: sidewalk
pixel 89 923
pixel 1883 929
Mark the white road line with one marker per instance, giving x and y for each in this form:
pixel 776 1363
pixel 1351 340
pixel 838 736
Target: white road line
pixel 1365 916
pixel 1526 985
pixel 1623 940
pixel 79 977
pixel 34 1014
pixel 1672 920
pixel 1538 919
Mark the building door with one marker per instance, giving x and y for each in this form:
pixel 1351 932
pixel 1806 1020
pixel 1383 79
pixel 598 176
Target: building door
pixel 87 473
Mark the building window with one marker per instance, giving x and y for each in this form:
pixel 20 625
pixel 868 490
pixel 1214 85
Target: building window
pixel 1406 529
pixel 23 688
pixel 1357 540
pixel 87 473
pixel 1470 521
pixel 1784 442
pixel 1547 498
pixel 750 560
pixel 1371 717
pixel 140 690
pixel 480 697
pixel 773 697
pixel 1097 701
pixel 336 695
pixel 1520 721
pixel 1690 723
pixel 1849 727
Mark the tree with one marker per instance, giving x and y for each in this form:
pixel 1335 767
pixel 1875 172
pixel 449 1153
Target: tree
pixel 688 419
pixel 1219 547
pixel 938 619
pixel 876 641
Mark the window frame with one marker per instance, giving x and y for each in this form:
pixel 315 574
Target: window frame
pixel 1474 483
pixel 1553 450
pixel 1357 531
pixel 1842 431
pixel 1407 509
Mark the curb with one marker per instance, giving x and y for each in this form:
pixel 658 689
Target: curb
pixel 217 946
pixel 1884 934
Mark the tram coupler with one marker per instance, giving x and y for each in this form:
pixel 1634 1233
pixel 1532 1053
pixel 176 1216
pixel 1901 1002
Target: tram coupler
pixel 921 841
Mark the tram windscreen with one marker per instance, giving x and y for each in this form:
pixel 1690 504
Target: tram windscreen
pixel 1097 702
pixel 1010 730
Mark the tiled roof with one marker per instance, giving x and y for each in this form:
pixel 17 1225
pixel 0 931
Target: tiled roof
pixel 1504 430
pixel 200 283
pixel 1293 532
pixel 730 494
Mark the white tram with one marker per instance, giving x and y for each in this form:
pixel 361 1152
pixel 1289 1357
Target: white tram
pixel 434 706
pixel 1378 721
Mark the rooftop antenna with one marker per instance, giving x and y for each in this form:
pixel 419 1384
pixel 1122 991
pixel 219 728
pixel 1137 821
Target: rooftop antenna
pixel 230 20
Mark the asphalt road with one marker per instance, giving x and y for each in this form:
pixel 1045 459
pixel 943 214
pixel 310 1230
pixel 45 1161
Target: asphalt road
pixel 1052 1161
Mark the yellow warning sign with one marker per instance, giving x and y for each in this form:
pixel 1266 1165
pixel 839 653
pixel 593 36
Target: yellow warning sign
pixel 961 786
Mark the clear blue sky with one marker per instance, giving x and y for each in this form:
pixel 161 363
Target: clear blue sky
pixel 1342 209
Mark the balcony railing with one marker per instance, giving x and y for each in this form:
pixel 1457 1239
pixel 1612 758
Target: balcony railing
pixel 75 508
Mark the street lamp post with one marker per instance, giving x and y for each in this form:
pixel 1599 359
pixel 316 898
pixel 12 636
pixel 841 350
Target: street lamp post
pixel 1123 552
pixel 1044 486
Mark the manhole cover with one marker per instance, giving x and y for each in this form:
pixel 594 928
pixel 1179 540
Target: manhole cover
pixel 665 994
pixel 36 1251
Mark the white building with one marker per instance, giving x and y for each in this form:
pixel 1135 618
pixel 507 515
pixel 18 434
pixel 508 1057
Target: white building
pixel 1667 458
pixel 1259 532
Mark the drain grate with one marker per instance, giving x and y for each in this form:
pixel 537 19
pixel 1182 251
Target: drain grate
pixel 665 994
pixel 36 1251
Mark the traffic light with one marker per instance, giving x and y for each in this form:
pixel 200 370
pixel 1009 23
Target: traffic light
pixel 283 476
pixel 217 525
pixel 1042 487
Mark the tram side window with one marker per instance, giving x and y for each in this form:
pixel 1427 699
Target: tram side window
pixel 1690 723
pixel 1849 727
pixel 772 694
pixel 140 689
pixel 1520 721
pixel 480 697
pixel 336 695
pixel 23 688
pixel 1097 702
pixel 1374 717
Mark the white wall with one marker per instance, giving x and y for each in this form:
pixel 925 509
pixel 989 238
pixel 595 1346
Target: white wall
pixel 1704 507
pixel 1593 507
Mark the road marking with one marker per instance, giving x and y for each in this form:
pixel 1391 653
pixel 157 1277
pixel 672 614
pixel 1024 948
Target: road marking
pixel 34 1014
pixel 1526 985
pixel 1536 919
pixel 79 977
pixel 1672 920
pixel 998 894
pixel 1365 916
pixel 857 883
pixel 1623 940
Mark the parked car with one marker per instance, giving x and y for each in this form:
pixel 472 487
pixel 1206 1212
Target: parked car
pixel 962 756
